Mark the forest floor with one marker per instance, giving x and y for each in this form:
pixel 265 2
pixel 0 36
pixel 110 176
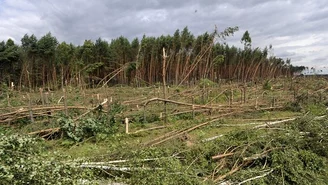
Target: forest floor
pixel 211 133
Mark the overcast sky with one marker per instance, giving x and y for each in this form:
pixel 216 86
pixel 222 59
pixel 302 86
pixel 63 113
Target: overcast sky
pixel 297 29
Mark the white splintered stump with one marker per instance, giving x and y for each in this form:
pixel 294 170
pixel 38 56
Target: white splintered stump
pixel 111 99
pixel 256 102
pixel 126 125
pixel 41 95
pixel 46 97
pixel 12 86
pixel 98 98
pixel 160 115
pixel 65 102
pixel 193 110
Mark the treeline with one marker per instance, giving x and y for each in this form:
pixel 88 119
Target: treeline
pixel 47 63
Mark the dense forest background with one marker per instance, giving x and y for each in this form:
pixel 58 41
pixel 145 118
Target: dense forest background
pixel 46 63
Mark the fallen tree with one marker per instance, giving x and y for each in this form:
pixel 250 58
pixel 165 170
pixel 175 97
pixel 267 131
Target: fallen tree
pixel 177 133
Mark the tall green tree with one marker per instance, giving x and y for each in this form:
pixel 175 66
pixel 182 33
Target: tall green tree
pixel 46 63
pixel 29 75
pixel 246 40
pixel 46 52
pixel 9 61
pixel 65 59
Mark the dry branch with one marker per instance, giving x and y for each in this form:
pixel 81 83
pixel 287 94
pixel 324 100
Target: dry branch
pixel 212 138
pixel 274 122
pixel 53 130
pixel 50 130
pixel 128 102
pixel 216 97
pixel 183 131
pixel 148 129
pixel 116 73
pixel 222 155
pixel 232 171
pixel 22 110
pixel 23 113
pixel 163 137
pixel 108 76
pixel 189 111
pixel 219 107
pixel 117 168
pixel 125 161
pixel 101 104
pixel 256 177
pixel 245 161
pixel 261 155
pixel 167 137
pixel 179 103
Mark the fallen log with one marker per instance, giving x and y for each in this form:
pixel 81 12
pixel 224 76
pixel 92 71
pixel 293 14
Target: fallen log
pixel 183 131
pixel 212 138
pixel 197 105
pixel 148 129
pixel 51 130
pixel 22 113
pixel 186 130
pixel 274 122
pixel 162 137
pixel 118 168
pixel 101 104
pixel 42 108
pixel 54 130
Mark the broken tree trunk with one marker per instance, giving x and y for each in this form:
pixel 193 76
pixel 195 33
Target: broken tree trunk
pixel 164 84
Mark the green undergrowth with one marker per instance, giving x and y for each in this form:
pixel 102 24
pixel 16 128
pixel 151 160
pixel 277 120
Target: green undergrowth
pixel 24 162
pixel 293 152
pixel 290 153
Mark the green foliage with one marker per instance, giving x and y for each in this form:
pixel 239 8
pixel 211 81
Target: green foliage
pixel 84 129
pixel 9 61
pixel 295 153
pixel 293 106
pixel 246 39
pixel 227 32
pixel 45 62
pixel 218 60
pixel 23 163
pixel 91 67
pixel 204 82
pixel 299 156
pixel 166 170
pixel 99 124
pixel 267 85
pixel 47 46
pixel 315 109
pixel 185 116
pixel 4 91
pixel 297 167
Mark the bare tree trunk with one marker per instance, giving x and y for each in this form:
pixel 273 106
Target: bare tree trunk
pixel 62 76
pixel 30 108
pixel 164 83
pixel 43 76
pixel 177 69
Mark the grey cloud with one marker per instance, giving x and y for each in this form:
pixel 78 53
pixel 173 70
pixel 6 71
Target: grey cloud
pixel 320 15
pixel 321 59
pixel 286 54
